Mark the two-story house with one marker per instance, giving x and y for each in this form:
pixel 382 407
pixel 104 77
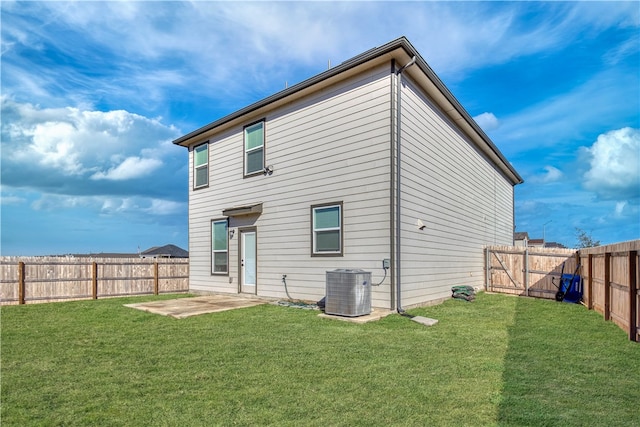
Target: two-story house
pixel 371 162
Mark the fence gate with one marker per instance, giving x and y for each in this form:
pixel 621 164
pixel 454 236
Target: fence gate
pixel 527 271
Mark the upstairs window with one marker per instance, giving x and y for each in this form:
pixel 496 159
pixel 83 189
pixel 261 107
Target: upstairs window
pixel 326 224
pixel 219 247
pixel 201 166
pixel 254 148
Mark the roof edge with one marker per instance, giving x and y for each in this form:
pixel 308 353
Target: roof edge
pixel 401 42
pixel 424 66
pixel 346 65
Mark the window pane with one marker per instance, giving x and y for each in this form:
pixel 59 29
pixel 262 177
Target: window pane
pixel 253 136
pixel 219 262
pixel 202 176
pixel 254 161
pixel 328 241
pixel 201 155
pixel 328 217
pixel 219 236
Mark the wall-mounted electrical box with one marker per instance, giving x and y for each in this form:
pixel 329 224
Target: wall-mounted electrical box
pixel 386 263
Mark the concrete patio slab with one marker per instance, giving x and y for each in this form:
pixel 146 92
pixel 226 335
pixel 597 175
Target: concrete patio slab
pixel 376 314
pixel 426 321
pixel 186 307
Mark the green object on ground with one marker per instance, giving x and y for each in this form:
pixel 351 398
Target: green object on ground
pixel 467 293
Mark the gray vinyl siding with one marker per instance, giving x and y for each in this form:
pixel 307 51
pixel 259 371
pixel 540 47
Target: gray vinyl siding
pixel 460 196
pixel 332 146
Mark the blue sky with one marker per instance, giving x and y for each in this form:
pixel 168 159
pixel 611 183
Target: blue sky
pixel 93 93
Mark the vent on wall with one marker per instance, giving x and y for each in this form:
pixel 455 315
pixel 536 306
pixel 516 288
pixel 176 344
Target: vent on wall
pixel 348 292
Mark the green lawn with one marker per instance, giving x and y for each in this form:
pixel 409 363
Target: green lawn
pixel 497 361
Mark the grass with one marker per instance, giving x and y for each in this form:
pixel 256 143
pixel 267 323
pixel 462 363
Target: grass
pixel 497 361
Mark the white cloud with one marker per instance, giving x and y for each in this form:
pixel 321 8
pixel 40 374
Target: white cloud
pixel 456 37
pixel 618 52
pixel 614 160
pixel 555 121
pixel 113 145
pixel 169 54
pixel 284 40
pixel 487 121
pixel 619 211
pixel 108 163
pixel 141 206
pixel 629 211
pixel 12 200
pixel 54 202
pixel 53 146
pixel 165 207
pixel 134 206
pixel 130 168
pixel 551 174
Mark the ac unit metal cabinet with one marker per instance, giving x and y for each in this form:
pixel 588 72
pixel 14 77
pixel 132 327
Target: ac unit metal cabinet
pixel 348 292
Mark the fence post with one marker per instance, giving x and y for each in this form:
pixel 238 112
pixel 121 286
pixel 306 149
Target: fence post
pixel 607 285
pixel 94 280
pixel 579 264
pixel 590 283
pixel 526 270
pixel 21 282
pixel 487 273
pixel 155 278
pixel 633 297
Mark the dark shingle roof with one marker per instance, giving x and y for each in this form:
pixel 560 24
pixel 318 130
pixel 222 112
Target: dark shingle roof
pixel 169 251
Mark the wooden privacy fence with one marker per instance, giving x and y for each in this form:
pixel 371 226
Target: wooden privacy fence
pixel 46 279
pixel 610 276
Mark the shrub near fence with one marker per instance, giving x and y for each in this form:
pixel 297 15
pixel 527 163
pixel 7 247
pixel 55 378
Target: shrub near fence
pixel 610 275
pixel 46 279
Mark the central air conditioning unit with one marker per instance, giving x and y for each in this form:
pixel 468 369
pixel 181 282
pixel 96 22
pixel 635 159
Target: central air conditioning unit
pixel 348 292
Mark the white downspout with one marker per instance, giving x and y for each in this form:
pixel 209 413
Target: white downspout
pixel 398 174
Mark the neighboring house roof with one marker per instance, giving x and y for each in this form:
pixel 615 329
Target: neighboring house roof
pixel 106 255
pixel 167 251
pixel 403 52
pixel 554 245
pixel 521 235
pixel 536 242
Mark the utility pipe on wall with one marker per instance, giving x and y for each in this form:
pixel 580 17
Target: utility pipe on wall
pixel 398 174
